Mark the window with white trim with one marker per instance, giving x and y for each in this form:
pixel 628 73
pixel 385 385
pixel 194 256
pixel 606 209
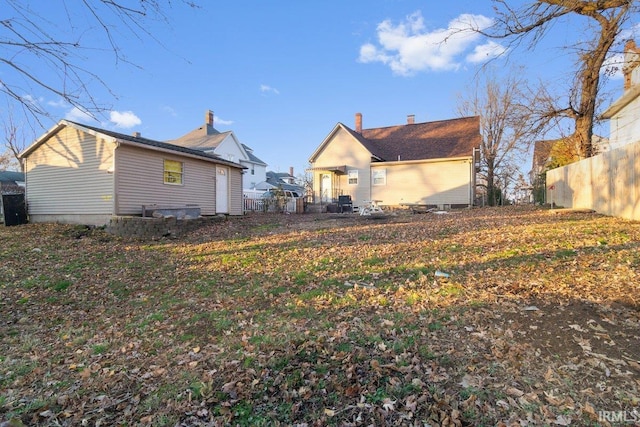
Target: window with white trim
pixel 379 176
pixel 173 172
pixel 353 177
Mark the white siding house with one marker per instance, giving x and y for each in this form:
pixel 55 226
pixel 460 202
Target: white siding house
pixel 624 113
pixel 227 146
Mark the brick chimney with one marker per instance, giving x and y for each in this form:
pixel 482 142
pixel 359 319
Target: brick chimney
pixel 630 62
pixel 209 118
pixel 291 170
pixel 411 119
pixel 359 122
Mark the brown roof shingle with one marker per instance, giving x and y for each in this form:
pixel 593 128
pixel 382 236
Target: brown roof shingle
pixel 422 141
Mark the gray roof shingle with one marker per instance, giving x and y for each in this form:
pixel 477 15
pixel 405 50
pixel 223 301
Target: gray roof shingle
pixel 11 176
pixel 152 142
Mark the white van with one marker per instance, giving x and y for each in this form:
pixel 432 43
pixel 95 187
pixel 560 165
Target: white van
pixel 276 192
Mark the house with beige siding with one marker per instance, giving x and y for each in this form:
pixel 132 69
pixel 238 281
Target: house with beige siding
pixel 431 163
pixel 81 174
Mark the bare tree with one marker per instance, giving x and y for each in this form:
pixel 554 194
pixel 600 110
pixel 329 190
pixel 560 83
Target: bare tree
pixel 605 19
pixel 6 161
pixel 16 139
pixel 40 55
pixel 505 124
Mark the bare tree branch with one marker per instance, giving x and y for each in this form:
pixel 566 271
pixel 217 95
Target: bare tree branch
pixel 46 57
pixel 534 20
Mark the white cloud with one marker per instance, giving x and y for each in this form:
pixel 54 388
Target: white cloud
pixel 484 52
pixel 124 119
pixel 630 33
pixel 612 66
pixel 218 121
pixel 30 99
pixel 77 115
pixel 60 103
pixel 170 110
pixel 409 47
pixel 267 88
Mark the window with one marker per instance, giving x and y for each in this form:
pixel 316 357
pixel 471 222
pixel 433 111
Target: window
pixel 353 177
pixel 379 177
pixel 172 172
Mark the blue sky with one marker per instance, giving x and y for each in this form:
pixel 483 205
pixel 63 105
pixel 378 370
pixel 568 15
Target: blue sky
pixel 280 74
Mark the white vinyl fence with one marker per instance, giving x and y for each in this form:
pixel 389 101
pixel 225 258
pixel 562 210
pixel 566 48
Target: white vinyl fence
pixel 254 203
pixel 608 183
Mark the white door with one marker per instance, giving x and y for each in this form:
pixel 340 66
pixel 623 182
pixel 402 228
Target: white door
pixel 222 190
pixel 325 188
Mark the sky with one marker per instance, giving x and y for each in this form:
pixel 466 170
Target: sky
pixel 281 74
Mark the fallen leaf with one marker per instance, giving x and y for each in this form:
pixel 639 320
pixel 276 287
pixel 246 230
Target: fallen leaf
pixel 388 404
pixel 553 400
pixel 411 403
pixel 512 391
pixel 563 420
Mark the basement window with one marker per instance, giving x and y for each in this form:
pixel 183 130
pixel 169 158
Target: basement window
pixel 353 177
pixel 172 172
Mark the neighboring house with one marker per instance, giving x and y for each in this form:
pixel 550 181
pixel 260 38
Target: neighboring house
pixel 256 169
pixel 542 156
pixel 284 181
pixel 431 163
pixel 552 153
pixel 227 146
pixel 287 177
pixel 624 113
pixel 11 182
pixel 82 174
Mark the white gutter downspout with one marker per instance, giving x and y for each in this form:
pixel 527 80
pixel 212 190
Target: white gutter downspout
pixel 472 181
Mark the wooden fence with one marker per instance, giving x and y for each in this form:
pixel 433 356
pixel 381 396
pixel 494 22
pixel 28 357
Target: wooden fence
pixel 608 183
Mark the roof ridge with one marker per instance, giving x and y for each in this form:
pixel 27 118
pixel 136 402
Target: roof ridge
pixel 152 142
pixel 424 123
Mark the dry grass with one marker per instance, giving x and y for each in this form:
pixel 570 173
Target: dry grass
pixel 325 320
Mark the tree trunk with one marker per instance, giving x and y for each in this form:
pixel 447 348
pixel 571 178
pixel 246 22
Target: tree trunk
pixel 491 187
pixel 589 78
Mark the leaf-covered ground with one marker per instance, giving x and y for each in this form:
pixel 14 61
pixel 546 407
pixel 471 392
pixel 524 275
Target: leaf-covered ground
pixel 326 319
